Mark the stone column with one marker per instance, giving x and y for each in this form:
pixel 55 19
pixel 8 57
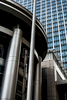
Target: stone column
pixel 37 94
pixel 11 67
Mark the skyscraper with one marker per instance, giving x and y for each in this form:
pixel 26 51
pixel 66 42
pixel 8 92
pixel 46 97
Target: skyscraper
pixel 53 16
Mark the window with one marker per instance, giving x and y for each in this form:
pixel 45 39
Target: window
pixel 56 43
pixel 65 9
pixel 55 20
pixel 55 24
pixel 65 13
pixel 49 39
pixel 62 37
pixel 48 21
pixel 49 25
pixel 61 22
pixel 64 53
pixel 64 3
pixel 60 11
pixel 50 44
pixel 62 31
pixel 54 16
pixel 60 15
pixel 63 42
pixel 60 18
pixel 61 27
pixel 63 0
pixel 54 12
pixel 49 17
pixel 64 6
pixel 65 17
pixel 56 38
pixel 59 8
pixel 56 33
pixel 49 30
pixel 57 48
pixel 53 8
pixel 55 28
pixel 65 65
pixel 49 35
pixel 59 3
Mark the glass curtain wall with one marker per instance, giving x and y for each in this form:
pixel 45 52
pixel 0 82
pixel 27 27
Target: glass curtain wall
pixel 53 16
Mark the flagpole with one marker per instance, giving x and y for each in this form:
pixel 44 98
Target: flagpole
pixel 31 58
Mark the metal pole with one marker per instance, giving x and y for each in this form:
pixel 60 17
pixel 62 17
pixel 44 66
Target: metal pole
pixel 37 93
pixel 31 59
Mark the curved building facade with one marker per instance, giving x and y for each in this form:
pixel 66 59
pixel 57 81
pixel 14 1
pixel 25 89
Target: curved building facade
pixel 15 36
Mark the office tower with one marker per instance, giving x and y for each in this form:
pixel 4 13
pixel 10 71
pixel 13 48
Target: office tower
pixel 53 16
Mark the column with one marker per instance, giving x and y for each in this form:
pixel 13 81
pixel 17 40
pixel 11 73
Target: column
pixel 31 58
pixel 23 89
pixel 37 94
pixel 11 67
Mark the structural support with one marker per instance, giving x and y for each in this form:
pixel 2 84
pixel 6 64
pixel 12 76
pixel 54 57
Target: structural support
pixel 37 94
pixel 25 61
pixel 11 67
pixel 31 59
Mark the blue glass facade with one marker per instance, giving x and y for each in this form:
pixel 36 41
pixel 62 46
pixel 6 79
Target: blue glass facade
pixel 53 16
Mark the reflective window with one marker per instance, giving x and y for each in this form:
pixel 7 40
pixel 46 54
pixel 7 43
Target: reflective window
pixel 61 27
pixel 48 21
pixel 55 20
pixel 49 25
pixel 53 6
pixel 56 33
pixel 62 31
pixel 50 45
pixel 63 0
pixel 65 9
pixel 65 17
pixel 49 39
pixel 49 35
pixel 56 38
pixel 49 30
pixel 60 18
pixel 64 3
pixel 63 42
pixel 59 8
pixel 64 53
pixel 57 48
pixel 62 37
pixel 65 13
pixel 65 65
pixel 58 3
pixel 64 6
pixel 54 16
pixel 55 28
pixel 60 15
pixel 56 43
pixel 49 17
pixel 55 24
pixel 48 14
pixel 61 22
pixel 60 11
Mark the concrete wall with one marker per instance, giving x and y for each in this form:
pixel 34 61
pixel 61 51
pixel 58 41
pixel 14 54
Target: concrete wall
pixel 51 69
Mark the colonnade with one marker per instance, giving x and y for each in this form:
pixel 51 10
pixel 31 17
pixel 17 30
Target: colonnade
pixel 11 71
